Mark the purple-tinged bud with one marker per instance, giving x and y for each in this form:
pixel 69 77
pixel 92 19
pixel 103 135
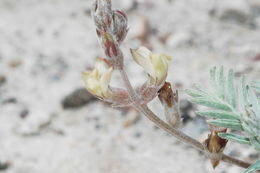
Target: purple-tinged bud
pixel 120 27
pixel 108 44
pixel 102 14
pixel 111 27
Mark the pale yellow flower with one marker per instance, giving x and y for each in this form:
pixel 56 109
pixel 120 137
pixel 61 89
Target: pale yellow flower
pixel 97 81
pixel 156 65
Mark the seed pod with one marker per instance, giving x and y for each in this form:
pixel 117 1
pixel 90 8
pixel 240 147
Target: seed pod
pixel 215 144
pixel 169 100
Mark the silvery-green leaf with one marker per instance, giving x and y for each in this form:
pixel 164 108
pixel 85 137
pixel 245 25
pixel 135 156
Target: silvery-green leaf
pixel 199 91
pixel 228 123
pixel 195 93
pixel 235 138
pixel 211 103
pixel 218 114
pixel 256 86
pixel 231 89
pixel 221 83
pixel 213 76
pixel 243 93
pixel 255 142
pixel 254 102
pixel 254 167
pixel 204 92
pixel 224 101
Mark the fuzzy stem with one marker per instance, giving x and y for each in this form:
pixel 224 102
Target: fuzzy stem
pixel 174 132
pixel 128 85
pixel 102 14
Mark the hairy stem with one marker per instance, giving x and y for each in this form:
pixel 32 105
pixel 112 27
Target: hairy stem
pixel 111 35
pixel 128 85
pixel 176 133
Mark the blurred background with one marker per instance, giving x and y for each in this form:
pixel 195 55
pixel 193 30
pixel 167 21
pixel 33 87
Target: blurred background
pixel 50 124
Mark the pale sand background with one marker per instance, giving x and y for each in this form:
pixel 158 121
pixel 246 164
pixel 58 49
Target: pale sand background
pixel 46 44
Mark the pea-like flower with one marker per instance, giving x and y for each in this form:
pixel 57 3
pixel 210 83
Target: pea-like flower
pixel 97 81
pixel 156 65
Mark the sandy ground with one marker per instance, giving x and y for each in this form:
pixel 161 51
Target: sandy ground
pixel 46 44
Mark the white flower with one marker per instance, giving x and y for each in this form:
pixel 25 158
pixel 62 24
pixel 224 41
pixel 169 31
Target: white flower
pixel 97 81
pixel 156 65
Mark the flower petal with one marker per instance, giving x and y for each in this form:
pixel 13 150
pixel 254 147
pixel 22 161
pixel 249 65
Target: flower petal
pixel 160 63
pixel 91 82
pixel 104 82
pixel 101 65
pixel 156 65
pixel 142 57
pixel 97 81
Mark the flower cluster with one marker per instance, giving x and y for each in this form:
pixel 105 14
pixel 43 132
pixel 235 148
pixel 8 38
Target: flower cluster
pixel 112 28
pixel 155 65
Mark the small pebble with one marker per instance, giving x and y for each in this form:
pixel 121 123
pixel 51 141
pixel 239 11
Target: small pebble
pixel 138 134
pixel 10 100
pixel 4 166
pixel 237 11
pixel 2 80
pixel 78 98
pixel 24 113
pixel 97 126
pixel 15 63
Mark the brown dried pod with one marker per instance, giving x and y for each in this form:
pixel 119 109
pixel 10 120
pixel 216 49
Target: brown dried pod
pixel 170 101
pixel 215 144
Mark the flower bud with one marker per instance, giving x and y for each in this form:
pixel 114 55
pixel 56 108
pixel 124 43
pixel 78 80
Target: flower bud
pixel 156 65
pixel 97 81
pixel 169 100
pixel 102 14
pixel 120 28
pixel 108 44
pixel 107 20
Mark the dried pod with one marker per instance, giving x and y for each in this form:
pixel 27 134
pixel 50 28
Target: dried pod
pixel 169 100
pixel 215 145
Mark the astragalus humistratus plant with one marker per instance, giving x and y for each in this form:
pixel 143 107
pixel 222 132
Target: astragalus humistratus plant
pixel 232 109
